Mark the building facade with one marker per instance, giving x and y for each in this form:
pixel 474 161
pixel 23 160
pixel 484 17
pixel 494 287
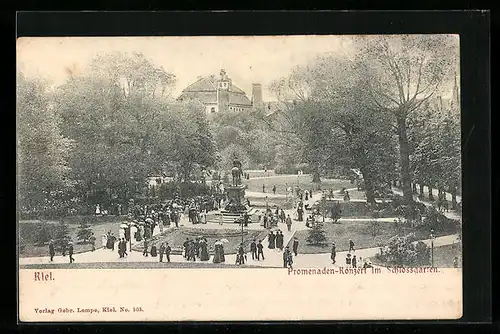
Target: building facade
pixel 219 94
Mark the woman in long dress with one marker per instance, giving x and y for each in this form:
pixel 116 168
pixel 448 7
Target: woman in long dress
pixel 104 240
pixel 271 240
pixel 204 256
pixel 222 257
pixel 217 255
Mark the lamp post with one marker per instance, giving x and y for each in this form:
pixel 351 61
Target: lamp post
pixel 432 247
pixel 242 223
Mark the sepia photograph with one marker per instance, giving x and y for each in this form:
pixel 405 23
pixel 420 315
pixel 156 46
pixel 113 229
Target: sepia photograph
pixel 151 165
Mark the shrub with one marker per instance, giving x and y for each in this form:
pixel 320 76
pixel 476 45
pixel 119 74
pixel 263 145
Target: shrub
pixel 62 237
pixel 42 233
pixel 84 231
pixel 316 235
pixel 435 220
pixel 404 251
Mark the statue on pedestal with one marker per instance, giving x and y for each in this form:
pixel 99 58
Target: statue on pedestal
pixel 236 172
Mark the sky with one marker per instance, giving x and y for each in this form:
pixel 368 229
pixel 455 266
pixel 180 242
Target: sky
pixel 246 59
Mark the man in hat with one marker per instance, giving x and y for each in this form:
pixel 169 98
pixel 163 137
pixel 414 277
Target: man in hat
pixel 253 249
pixel 52 252
pixel 260 251
pixel 70 252
pixel 289 223
pixel 354 261
pixel 295 245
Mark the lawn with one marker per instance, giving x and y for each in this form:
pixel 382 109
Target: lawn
pixel 101 226
pixel 304 182
pixel 176 238
pixel 444 255
pixel 361 233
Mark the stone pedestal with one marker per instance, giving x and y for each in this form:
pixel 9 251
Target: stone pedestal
pixel 236 197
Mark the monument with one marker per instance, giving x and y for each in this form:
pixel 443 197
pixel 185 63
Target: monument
pixel 235 192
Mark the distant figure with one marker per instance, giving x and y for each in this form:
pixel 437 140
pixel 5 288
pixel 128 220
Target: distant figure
pixel 253 249
pixel 145 252
pixel 348 259
pixel 168 250
pixel 287 258
pixel 92 241
pixel 162 251
pixel 455 262
pixel 260 250
pixel 351 245
pixel 289 223
pixel 354 262
pixel 333 253
pixel 295 246
pixel 70 252
pixel 263 188
pixel 52 252
pixel 104 240
pixel 154 251
pixel 274 189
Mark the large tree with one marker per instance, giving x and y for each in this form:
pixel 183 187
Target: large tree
pixel 403 72
pixel 114 114
pixel 42 149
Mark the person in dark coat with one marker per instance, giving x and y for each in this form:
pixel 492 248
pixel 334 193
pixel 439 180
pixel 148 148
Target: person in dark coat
pixel 92 241
pixel 300 212
pixel 279 238
pixel 263 188
pixel 168 250
pixel 217 253
pixel 271 239
pixel 348 259
pixel 295 245
pixel 287 258
pixel 253 249
pixel 145 252
pixel 124 247
pixel 354 261
pixel 120 248
pixel 185 245
pixel 70 252
pixel 204 256
pixel 274 189
pixel 222 255
pixel 260 251
pixel 52 251
pixel 191 251
pixel 154 251
pixel 333 253
pixel 197 247
pixel 240 256
pixel 289 223
pixel 161 251
pixel 351 245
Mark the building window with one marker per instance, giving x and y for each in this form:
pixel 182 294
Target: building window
pixel 212 109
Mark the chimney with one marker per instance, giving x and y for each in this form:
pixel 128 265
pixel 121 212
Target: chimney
pixel 257 95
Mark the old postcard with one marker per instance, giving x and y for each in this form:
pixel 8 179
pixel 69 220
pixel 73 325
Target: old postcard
pixel 239 178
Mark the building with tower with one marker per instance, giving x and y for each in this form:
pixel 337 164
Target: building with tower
pixel 220 94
